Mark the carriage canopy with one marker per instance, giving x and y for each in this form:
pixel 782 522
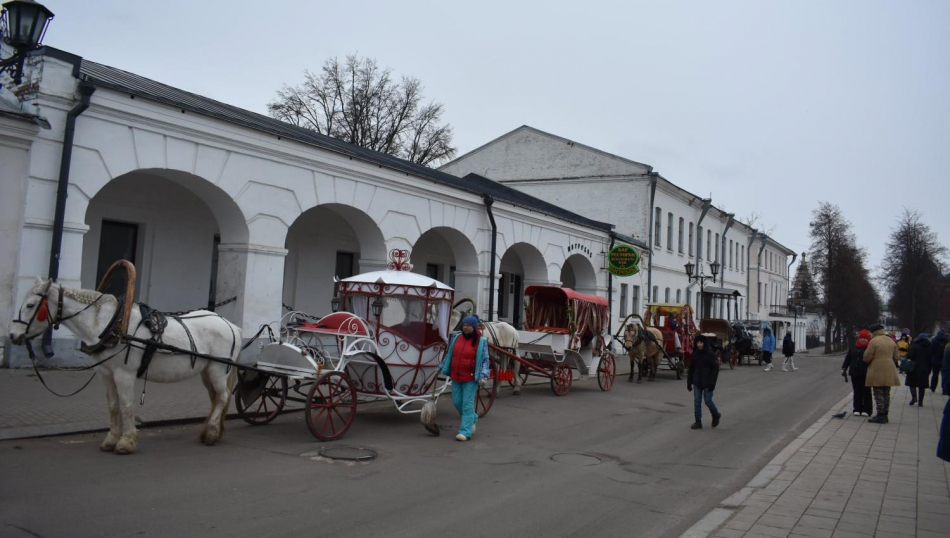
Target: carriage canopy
pixel 563 310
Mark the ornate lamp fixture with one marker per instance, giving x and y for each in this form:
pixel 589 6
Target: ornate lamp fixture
pixel 23 25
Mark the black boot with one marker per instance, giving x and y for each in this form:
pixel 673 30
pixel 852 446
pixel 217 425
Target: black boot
pixel 716 418
pixel 698 425
pixel 878 419
pixel 912 402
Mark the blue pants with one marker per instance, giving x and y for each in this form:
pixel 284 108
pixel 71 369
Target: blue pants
pixel 698 396
pixel 463 396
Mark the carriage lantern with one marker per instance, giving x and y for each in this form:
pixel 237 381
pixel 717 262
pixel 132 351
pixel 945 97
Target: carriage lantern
pixel 22 25
pixel 335 303
pixel 378 305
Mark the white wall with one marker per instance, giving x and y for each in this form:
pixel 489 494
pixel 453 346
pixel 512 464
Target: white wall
pixel 14 157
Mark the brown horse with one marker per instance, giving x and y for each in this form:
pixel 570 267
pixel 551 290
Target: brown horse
pixel 643 346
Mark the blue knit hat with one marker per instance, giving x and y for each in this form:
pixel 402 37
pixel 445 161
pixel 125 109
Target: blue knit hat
pixel 472 320
pixel 923 336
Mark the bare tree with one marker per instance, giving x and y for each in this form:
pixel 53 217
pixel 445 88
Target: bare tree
pixel 832 243
pixel 360 103
pixel 755 219
pixel 911 270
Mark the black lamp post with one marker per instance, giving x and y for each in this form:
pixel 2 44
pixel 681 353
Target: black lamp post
pixel 702 278
pixel 23 24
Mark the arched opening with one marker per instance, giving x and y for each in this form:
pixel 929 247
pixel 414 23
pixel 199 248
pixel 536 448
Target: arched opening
pixel 169 224
pixel 522 265
pixel 448 256
pixel 578 274
pixel 327 241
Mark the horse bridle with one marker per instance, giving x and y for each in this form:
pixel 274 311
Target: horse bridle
pixel 43 306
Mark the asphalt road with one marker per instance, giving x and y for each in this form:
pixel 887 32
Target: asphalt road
pixel 621 463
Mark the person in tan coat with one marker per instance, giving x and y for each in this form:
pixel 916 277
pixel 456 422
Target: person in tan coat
pixel 881 357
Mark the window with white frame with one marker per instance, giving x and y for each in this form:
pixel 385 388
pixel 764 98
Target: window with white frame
pixel 717 247
pixel 655 297
pixel 669 231
pixel 680 243
pixel 679 296
pixel 690 247
pixel 636 299
pixel 666 295
pixel 623 300
pixel 657 225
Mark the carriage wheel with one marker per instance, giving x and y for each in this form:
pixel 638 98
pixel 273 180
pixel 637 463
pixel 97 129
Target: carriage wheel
pixel 267 405
pixel 679 369
pixel 523 373
pixel 606 371
pixel 485 397
pixel 331 406
pixel 561 378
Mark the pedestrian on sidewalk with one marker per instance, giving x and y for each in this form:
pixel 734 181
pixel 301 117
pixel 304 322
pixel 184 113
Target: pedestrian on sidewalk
pixel 702 375
pixel 903 344
pixel 788 349
pixel 881 357
pixel 855 366
pixel 466 364
pixel 946 370
pixel 768 347
pixel 943 445
pixel 918 378
pixel 936 358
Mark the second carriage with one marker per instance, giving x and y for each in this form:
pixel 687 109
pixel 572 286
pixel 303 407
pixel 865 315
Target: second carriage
pixel 564 331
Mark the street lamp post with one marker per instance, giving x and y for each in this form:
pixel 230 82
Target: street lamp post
pixel 702 278
pixel 23 24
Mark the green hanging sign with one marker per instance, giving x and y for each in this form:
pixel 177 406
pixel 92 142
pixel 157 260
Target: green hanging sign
pixel 623 261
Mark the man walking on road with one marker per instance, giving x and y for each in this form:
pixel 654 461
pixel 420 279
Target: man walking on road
pixel 855 366
pixel 788 349
pixel 881 357
pixel 938 344
pixel 702 375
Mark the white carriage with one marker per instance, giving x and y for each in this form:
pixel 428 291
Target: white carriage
pixel 386 343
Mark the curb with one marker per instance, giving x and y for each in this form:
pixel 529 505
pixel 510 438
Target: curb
pixel 719 515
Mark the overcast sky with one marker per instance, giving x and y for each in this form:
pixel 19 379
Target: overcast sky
pixel 770 106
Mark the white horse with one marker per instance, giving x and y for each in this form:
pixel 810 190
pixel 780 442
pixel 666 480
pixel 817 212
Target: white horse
pixel 88 315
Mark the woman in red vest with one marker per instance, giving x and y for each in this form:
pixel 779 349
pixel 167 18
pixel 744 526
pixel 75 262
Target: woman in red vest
pixel 466 364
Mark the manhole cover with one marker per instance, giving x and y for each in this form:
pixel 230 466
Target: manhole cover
pixel 576 459
pixel 348 453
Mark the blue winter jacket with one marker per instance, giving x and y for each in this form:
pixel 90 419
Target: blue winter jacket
pixel 768 343
pixel 943 445
pixel 481 358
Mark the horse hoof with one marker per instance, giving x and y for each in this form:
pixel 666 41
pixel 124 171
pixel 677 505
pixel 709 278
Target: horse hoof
pixel 516 392
pixel 125 446
pixel 108 445
pixel 210 436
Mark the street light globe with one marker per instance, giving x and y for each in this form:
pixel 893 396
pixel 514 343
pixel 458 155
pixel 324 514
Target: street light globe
pixel 714 268
pixel 24 24
pixel 689 269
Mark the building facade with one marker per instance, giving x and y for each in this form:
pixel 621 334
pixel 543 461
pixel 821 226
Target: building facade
pixel 212 202
pixel 679 226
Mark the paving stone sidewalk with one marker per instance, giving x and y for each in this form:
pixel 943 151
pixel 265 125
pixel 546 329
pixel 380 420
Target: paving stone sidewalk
pixel 848 478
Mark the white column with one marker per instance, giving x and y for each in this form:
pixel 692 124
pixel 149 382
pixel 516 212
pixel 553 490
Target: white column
pixel 255 275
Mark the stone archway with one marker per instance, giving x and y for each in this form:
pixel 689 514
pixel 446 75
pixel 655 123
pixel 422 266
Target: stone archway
pixel 521 265
pixel 171 224
pixel 327 241
pixel 578 274
pixel 448 256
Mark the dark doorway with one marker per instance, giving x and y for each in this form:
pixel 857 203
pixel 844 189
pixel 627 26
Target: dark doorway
pixel 117 241
pixel 344 264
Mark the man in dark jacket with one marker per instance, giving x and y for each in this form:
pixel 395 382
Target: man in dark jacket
pixel 855 367
pixel 788 349
pixel 943 445
pixel 919 354
pixel 702 375
pixel 937 346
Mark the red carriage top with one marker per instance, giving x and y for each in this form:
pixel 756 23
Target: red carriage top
pixel 553 309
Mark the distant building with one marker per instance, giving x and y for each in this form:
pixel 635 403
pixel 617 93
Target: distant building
pixel 678 225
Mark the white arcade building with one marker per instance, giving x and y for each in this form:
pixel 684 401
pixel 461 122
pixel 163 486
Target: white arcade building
pixel 213 202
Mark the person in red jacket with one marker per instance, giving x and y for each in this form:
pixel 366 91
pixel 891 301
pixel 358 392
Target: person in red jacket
pixel 466 364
